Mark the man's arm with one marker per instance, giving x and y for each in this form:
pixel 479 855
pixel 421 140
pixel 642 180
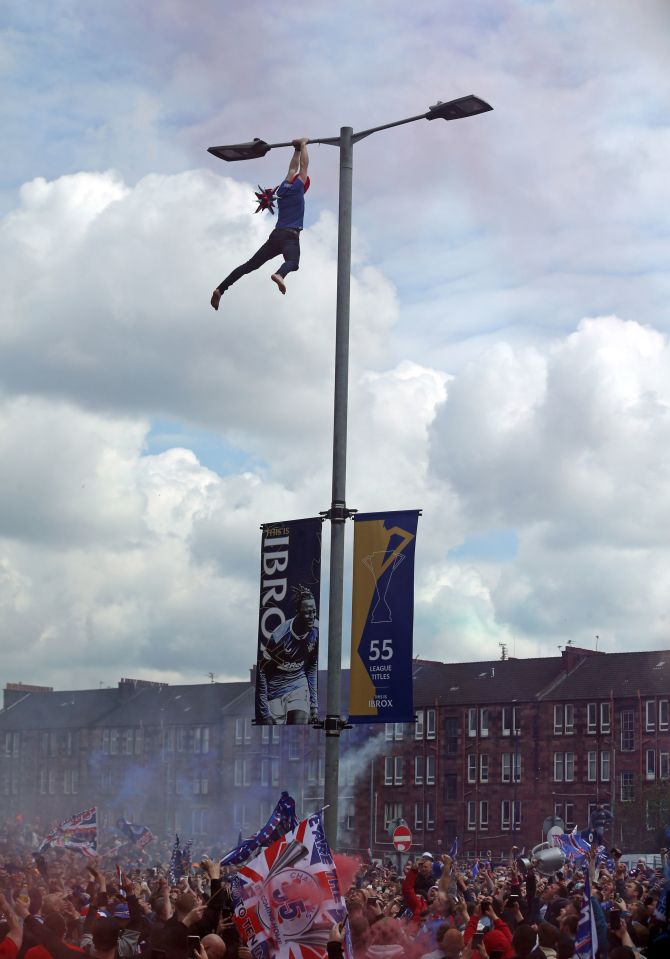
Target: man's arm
pixel 299 160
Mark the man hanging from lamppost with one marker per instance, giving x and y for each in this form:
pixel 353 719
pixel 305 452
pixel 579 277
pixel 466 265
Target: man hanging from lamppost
pixel 285 238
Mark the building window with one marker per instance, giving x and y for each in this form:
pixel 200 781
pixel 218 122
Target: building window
pixel 276 738
pixel 592 770
pixel 558 720
pixel 483 769
pixel 505 814
pixel 311 774
pixel 558 767
pixel 293 746
pixel 431 725
pixel 591 713
pixel 418 770
pixel 275 772
pixel 605 766
pixel 239 731
pixel 418 815
pixel 265 772
pixel 472 722
pixel 113 742
pixel 663 766
pixel 237 772
pixel 650 716
pixel 506 762
pixel 516 767
pixel 430 770
pixel 569 719
pixel 322 772
pixel 663 715
pixel 564 767
pixel 483 722
pixel 472 768
pixel 451 736
pixel 651 764
pixel 397 777
pixel 627 793
pixel 484 814
pixel 605 718
pixel 472 815
pixel 392 812
pixel 430 815
pixel 627 725
pixel 418 724
pixel 265 739
pixel 510 721
pixel 450 787
pixel 388 771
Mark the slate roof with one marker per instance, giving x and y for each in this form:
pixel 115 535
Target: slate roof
pixel 617 674
pixel 458 684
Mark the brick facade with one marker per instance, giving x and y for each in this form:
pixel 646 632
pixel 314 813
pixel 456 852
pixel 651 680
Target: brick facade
pixel 495 749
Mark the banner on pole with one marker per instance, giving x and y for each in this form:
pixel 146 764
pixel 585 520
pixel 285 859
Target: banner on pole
pixel 288 624
pixel 382 617
pixel 288 898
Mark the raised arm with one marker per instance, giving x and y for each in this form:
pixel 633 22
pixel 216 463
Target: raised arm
pixel 300 160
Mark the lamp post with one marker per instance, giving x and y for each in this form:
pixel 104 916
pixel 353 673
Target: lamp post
pixel 338 513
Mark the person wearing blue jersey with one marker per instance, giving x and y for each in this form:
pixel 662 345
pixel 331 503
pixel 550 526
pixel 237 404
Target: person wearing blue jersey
pixel 285 238
pixel 286 687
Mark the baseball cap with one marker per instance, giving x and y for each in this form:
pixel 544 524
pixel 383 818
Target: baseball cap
pixel 121 911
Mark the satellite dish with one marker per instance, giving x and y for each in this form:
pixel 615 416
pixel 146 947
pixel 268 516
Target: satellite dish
pixel 554 831
pixel 552 821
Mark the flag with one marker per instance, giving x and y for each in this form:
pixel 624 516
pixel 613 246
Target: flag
pixel 79 832
pixel 382 617
pixel 180 860
pixel 572 844
pixel 586 941
pixel 282 820
pixel 288 625
pixel 287 898
pixel 474 872
pixel 453 852
pixel 135 833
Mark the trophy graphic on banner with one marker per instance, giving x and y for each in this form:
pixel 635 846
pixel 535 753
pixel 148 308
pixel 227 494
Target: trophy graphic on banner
pixel 378 563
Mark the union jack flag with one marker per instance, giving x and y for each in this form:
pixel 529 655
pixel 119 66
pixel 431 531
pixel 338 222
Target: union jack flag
pixel 282 820
pixel 288 897
pixel 79 832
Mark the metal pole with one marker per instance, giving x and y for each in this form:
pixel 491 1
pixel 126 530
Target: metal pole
pixel 338 510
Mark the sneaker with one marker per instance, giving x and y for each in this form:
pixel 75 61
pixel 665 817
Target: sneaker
pixel 279 280
pixel 216 297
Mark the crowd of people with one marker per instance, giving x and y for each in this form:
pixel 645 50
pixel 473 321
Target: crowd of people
pixel 61 904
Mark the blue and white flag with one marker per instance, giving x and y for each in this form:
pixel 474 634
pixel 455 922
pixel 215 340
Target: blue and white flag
pixel 586 940
pixel 474 872
pixel 282 820
pixel 78 833
pixel 453 852
pixel 180 860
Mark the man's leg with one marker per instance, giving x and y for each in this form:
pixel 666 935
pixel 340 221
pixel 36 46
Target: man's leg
pixel 268 251
pixel 290 249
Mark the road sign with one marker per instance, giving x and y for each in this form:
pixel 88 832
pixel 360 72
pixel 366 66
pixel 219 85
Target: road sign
pixel 402 838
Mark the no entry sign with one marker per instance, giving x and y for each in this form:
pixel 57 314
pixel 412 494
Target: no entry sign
pixel 402 838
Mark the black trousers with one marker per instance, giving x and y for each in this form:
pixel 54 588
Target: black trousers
pixel 284 242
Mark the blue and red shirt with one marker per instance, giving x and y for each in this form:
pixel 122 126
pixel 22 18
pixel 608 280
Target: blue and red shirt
pixel 291 204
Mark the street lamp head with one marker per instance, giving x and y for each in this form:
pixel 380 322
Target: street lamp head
pixel 241 151
pixel 456 109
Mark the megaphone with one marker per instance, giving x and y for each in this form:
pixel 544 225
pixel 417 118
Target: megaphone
pixel 547 859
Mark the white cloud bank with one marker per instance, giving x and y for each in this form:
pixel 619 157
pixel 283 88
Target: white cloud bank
pixel 114 560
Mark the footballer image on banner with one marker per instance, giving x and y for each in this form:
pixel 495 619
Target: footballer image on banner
pixel 382 617
pixel 288 624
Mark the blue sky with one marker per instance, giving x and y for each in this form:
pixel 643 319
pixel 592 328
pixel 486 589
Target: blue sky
pixel 509 345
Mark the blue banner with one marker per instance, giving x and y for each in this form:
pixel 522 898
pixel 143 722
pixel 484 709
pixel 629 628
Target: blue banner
pixel 288 623
pixel 382 618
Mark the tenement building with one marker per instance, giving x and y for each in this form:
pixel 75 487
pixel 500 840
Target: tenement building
pixel 496 748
